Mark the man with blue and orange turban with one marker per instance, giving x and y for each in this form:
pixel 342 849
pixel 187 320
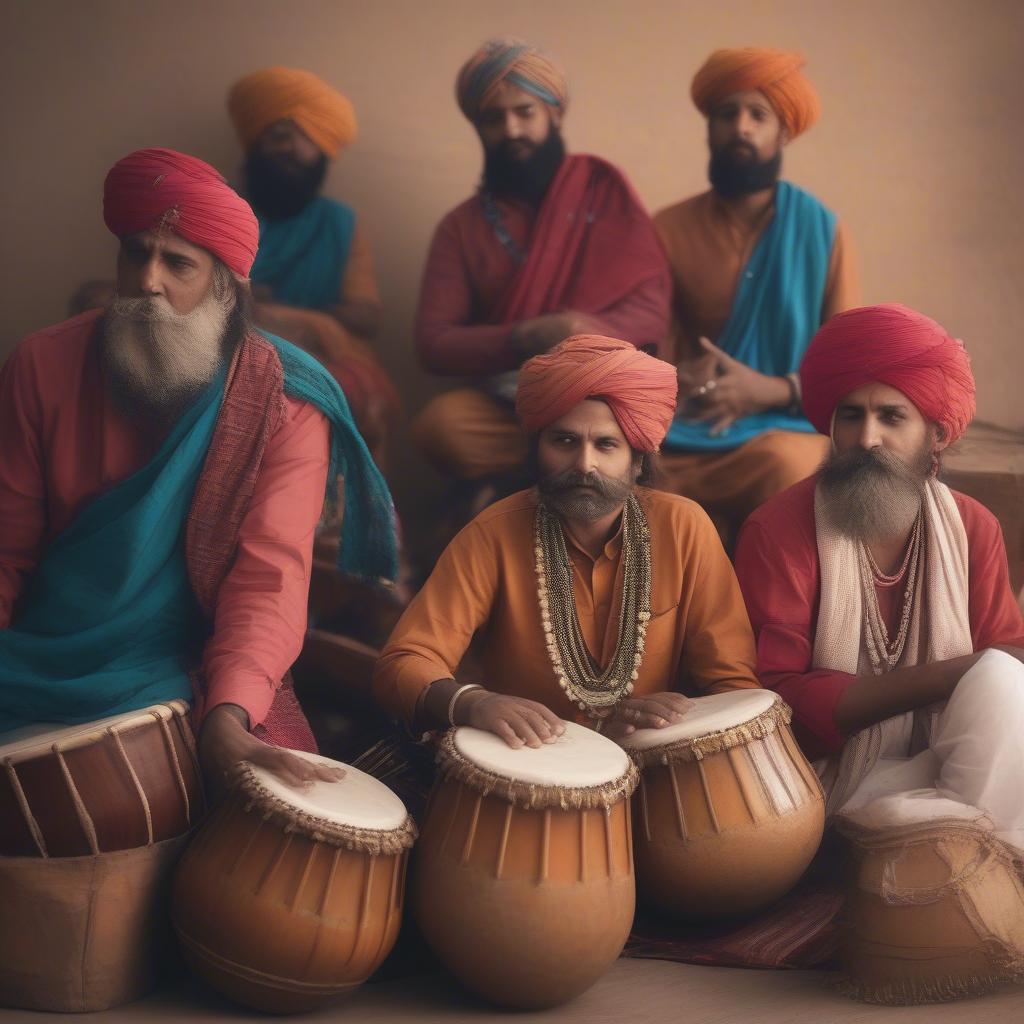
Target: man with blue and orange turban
pixel 550 245
pixel 757 265
pixel 313 278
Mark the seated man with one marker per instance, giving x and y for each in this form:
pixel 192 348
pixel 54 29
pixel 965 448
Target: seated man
pixel 313 277
pixel 757 264
pixel 545 573
pixel 551 245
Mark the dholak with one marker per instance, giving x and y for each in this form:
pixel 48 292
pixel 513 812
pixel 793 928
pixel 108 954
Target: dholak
pixel 729 812
pixel 287 898
pixel 115 784
pixel 523 876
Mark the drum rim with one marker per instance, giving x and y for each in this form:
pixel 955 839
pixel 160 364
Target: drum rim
pixel 452 764
pixel 378 842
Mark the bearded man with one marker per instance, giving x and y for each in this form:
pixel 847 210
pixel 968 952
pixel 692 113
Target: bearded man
pixel 757 265
pixel 551 245
pixel 313 276
pixel 595 541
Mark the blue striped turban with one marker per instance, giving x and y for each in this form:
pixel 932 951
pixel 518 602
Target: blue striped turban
pixel 514 62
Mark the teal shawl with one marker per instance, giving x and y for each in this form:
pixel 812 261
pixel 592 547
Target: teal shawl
pixel 303 258
pixel 774 315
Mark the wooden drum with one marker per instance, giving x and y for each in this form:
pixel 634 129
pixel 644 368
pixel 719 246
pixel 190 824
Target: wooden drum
pixel 729 812
pixel 523 877
pixel 289 898
pixel 119 783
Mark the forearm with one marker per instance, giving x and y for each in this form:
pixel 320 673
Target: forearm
pixel 434 709
pixel 456 350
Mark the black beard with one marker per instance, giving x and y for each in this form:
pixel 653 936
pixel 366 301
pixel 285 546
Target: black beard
pixel 527 178
pixel 606 494
pixel 732 174
pixel 279 187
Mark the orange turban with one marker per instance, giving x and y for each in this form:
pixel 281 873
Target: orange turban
pixel 776 73
pixel 274 94
pixel 639 389
pixel 512 61
pixel 894 345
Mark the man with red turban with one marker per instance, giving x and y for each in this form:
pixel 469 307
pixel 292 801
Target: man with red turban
pixel 550 245
pixel 880 598
pixel 313 277
pixel 757 265
pixel 545 574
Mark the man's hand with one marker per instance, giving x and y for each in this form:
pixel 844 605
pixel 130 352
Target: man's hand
pixel 224 740
pixel 654 711
pixel 519 722
pixel 541 333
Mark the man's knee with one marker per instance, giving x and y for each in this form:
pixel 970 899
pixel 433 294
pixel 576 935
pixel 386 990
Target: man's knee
pixel 997 679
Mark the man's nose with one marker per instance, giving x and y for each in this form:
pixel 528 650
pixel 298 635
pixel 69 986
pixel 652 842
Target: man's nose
pixel 150 278
pixel 513 127
pixel 585 459
pixel 870 434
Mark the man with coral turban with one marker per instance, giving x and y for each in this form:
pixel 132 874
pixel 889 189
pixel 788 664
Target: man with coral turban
pixel 757 265
pixel 544 574
pixel 880 598
pixel 313 277
pixel 550 245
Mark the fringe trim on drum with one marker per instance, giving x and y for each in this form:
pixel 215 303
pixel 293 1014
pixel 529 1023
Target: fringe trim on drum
pixel 699 747
pixel 908 992
pixel 376 842
pixel 532 795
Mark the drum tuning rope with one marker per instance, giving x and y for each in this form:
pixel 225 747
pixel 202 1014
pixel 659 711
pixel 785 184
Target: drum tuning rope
pixel 26 811
pixel 138 785
pixel 84 818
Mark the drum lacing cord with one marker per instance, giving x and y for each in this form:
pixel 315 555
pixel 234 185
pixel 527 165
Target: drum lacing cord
pixel 169 740
pixel 84 818
pixel 26 811
pixel 138 785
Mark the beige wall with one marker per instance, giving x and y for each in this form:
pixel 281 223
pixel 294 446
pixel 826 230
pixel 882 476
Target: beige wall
pixel 919 148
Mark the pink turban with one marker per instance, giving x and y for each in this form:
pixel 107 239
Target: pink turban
pixel 514 62
pixel 892 345
pixel 161 189
pixel 639 389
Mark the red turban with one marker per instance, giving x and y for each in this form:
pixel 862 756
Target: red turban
pixel 892 345
pixel 776 73
pixel 161 189
pixel 639 389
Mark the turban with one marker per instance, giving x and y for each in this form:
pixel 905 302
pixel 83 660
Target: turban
pixel 274 94
pixel 639 389
pixel 892 345
pixel 776 73
pixel 512 61
pixel 164 190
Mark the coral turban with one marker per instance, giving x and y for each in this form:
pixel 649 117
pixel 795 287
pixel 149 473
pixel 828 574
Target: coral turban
pixel 639 389
pixel 512 61
pixel 273 94
pixel 159 188
pixel 776 73
pixel 892 345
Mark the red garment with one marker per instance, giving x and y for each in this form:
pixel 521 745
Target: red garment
pixel 591 248
pixel 777 566
pixel 639 389
pixel 64 442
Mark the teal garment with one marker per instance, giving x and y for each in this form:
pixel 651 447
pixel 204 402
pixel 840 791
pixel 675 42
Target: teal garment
pixel 303 258
pixel 775 313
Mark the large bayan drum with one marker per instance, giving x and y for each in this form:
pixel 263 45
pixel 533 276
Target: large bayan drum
pixel 115 784
pixel 289 898
pixel 523 876
pixel 729 812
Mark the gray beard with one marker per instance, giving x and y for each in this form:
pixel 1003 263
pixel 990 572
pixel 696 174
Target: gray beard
pixel 562 496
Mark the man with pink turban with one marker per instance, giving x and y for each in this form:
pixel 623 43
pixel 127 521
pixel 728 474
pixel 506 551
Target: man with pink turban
pixel 880 599
pixel 589 560
pixel 757 265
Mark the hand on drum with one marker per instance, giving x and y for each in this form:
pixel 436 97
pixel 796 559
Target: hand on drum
pixel 654 711
pixel 519 722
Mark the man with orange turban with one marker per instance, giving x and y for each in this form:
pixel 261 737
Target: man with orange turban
pixel 544 574
pixel 757 265
pixel 550 245
pixel 313 277
pixel 880 598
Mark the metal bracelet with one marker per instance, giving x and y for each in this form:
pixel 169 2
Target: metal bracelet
pixel 456 695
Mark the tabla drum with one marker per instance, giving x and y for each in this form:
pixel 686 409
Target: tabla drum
pixel 728 813
pixel 115 784
pixel 289 898
pixel 523 876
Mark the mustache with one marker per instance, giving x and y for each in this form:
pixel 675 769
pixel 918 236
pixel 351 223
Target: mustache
pixel 866 463
pixel 570 478
pixel 149 309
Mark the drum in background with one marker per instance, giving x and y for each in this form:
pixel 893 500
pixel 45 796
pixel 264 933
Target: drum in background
pixel 289 898
pixel 729 812
pixel 523 876
pixel 115 784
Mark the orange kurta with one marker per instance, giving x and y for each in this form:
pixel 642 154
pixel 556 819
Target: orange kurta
pixel 485 585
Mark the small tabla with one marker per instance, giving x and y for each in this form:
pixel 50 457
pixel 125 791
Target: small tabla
pixel 523 876
pixel 287 899
pixel 729 812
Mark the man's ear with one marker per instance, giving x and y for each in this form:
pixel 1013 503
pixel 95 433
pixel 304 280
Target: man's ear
pixel 941 440
pixel 783 136
pixel 556 117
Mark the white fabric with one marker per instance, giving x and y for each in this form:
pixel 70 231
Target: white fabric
pixel 579 757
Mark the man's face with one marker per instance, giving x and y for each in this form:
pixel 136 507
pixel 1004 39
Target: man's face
pixel 877 416
pixel 284 171
pixel 287 145
pixel 587 467
pixel 515 122
pixel 744 124
pixel 151 264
